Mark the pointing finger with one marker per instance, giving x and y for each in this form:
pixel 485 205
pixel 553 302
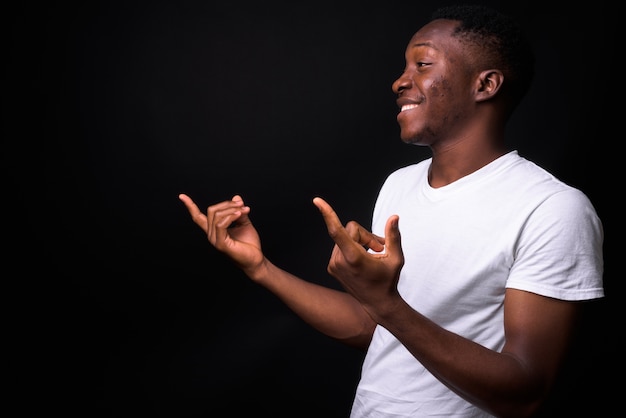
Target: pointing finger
pixel 336 230
pixel 196 215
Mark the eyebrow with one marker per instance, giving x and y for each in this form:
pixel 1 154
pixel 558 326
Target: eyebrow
pixel 427 44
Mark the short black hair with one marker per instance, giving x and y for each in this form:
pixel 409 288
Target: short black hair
pixel 501 40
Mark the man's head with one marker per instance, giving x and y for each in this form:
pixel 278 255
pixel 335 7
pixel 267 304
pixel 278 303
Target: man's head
pixel 466 71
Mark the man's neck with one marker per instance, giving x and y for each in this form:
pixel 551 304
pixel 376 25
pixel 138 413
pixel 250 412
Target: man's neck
pixel 452 164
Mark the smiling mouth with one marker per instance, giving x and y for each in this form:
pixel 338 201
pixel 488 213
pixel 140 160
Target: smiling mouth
pixel 408 107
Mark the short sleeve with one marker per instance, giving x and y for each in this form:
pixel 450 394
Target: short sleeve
pixel 559 250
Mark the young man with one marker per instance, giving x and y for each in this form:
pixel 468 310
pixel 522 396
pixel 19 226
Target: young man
pixel 466 291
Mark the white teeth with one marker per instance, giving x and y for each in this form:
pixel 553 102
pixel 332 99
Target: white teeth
pixel 408 107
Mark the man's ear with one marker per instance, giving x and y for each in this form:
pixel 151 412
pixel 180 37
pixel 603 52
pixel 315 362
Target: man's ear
pixel 488 84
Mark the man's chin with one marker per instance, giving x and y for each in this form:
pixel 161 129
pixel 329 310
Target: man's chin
pixel 412 141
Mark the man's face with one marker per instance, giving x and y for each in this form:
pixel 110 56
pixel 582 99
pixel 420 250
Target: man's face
pixel 435 89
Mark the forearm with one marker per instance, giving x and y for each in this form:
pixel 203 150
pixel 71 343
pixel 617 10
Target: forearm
pixel 496 382
pixel 334 313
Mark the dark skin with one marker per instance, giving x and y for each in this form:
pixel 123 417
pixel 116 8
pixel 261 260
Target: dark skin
pixel 461 117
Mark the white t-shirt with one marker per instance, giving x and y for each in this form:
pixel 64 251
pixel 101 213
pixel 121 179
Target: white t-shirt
pixel 510 224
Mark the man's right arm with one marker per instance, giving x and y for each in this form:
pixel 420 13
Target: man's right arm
pixel 332 312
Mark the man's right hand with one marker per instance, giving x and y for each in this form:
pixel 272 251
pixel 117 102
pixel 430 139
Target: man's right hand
pixel 229 230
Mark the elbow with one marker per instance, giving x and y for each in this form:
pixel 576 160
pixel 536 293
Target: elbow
pixel 358 342
pixel 524 410
pixel 528 407
pixel 362 339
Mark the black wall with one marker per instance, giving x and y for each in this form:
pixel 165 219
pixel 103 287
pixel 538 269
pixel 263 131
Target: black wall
pixel 111 109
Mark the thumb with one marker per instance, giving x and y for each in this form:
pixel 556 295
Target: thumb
pixel 245 210
pixel 393 242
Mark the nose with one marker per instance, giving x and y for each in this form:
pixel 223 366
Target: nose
pixel 402 83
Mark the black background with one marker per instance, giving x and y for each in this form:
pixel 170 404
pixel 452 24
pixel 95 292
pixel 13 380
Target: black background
pixel 118 304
